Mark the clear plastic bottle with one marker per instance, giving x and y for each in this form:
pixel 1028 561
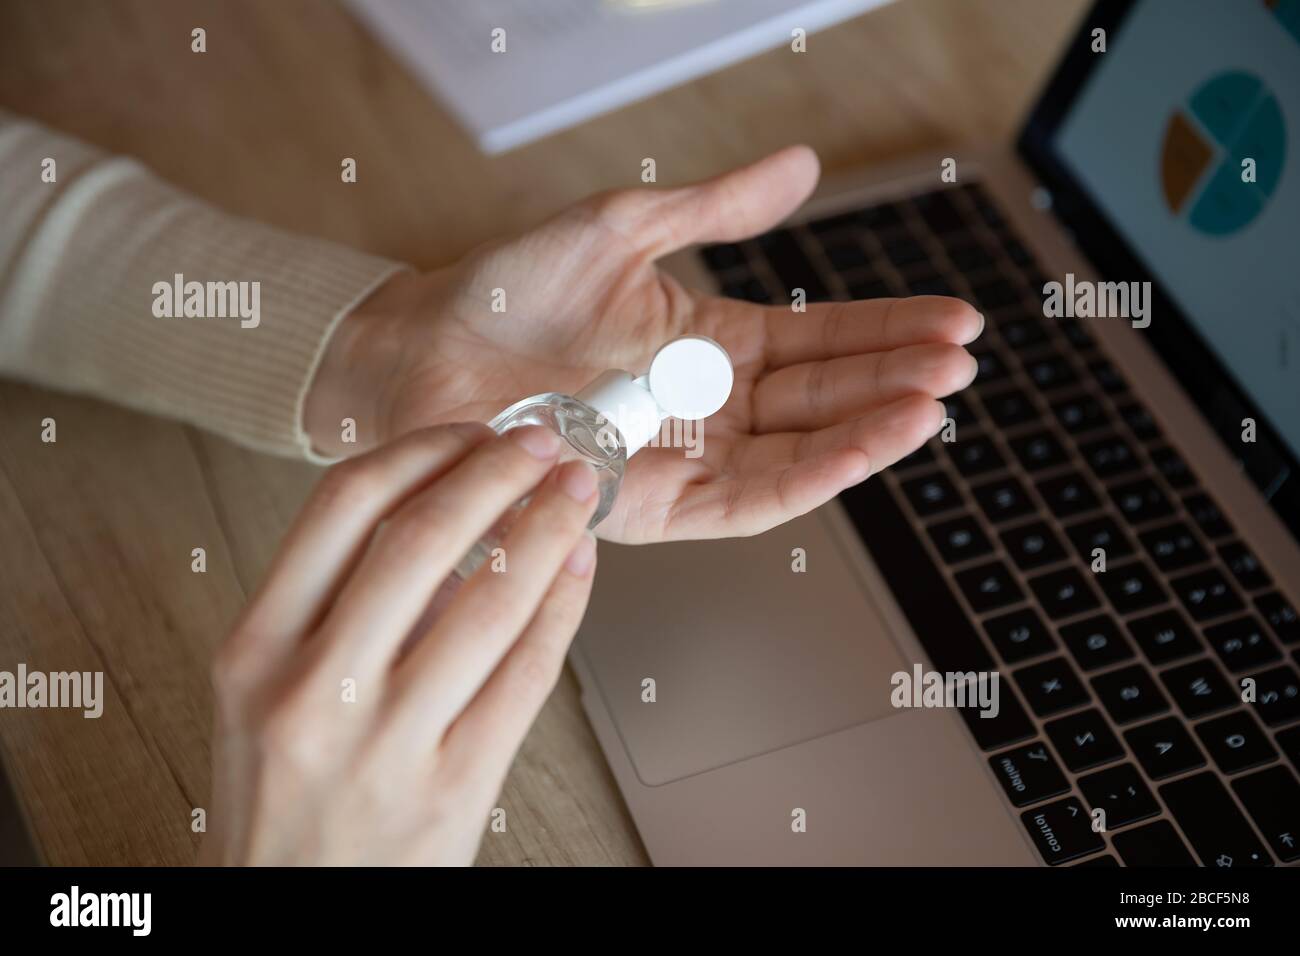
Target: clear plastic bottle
pixel 614 417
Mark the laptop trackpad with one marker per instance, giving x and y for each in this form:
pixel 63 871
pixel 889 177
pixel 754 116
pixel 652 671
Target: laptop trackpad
pixel 747 654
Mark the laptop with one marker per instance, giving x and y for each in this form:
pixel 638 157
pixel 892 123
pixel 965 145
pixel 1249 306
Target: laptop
pixel 1110 540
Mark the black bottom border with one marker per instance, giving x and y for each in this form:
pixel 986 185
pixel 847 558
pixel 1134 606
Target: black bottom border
pixel 1028 908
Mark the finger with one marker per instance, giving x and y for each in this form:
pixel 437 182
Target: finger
pixel 820 394
pixel 333 529
pixel 735 205
pixel 450 663
pixel 832 329
pixel 484 738
pixel 780 476
pixel 422 543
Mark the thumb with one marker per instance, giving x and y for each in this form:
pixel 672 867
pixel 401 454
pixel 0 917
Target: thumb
pixel 735 205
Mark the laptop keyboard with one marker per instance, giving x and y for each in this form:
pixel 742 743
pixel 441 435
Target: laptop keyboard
pixel 1120 690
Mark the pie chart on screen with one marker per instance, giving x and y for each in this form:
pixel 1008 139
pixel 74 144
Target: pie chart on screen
pixel 1231 117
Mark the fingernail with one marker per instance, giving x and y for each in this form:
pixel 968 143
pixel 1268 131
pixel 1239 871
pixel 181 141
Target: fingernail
pixel 577 480
pixel 582 557
pixel 539 442
pixel 982 323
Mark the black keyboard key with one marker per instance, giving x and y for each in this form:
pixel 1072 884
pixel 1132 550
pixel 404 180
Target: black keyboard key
pixel 722 257
pixel 1068 494
pixel 1236 742
pixel 1102 532
pixel 930 285
pixel 1164 748
pixel 1019 635
pixel 1032 545
pixel 1156 844
pixel 1010 725
pixel 791 264
pixel 1050 373
pixel 1289 741
pixel 1038 450
pixel 1207 516
pixel 1242 644
pixel 884 216
pixel 1022 333
pixel 1109 456
pixel 1062 831
pixel 1084 740
pixel 1132 587
pixel 959 539
pixel 1245 567
pixel 1129 694
pixel 1206 594
pixel 1165 636
pixel 1010 407
pixel 1096 643
pixel 1107 376
pixel 1280 615
pixel 966 254
pixel 939 211
pixel 1064 593
pixel 904 251
pixel 1121 793
pixel 1079 414
pixel 844 222
pixel 989 586
pixel 984 207
pixel 958 409
pixel 996 294
pixel 1105 860
pixel 931 494
pixel 1277 696
pixel 1003 499
pixel 974 455
pixel 922 456
pixel 748 290
pixel 1173 546
pixel 869 287
pixel 844 254
pixel 1076 334
pixel 1141 500
pixel 990 367
pixel 1051 687
pixel 1199 688
pixel 1212 823
pixel 1139 420
pixel 1272 798
pixel 1018 254
pixel 1029 774
pixel 1170 464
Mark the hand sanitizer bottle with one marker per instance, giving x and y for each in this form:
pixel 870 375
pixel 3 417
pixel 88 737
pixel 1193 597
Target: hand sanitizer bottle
pixel 611 419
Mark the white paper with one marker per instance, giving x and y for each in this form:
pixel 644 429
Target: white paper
pixel 568 60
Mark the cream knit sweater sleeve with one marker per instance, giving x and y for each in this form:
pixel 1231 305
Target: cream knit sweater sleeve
pixel 79 260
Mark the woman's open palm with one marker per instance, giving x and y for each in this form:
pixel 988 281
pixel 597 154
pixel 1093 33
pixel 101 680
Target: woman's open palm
pixel 822 398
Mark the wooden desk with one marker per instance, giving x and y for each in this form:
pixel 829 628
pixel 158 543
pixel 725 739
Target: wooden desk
pixel 96 530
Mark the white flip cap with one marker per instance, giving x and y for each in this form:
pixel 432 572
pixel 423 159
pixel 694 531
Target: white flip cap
pixel 689 378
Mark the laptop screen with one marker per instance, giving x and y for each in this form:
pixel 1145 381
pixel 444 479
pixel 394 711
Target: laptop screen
pixel 1175 155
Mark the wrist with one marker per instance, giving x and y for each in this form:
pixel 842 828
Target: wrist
pixel 344 412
